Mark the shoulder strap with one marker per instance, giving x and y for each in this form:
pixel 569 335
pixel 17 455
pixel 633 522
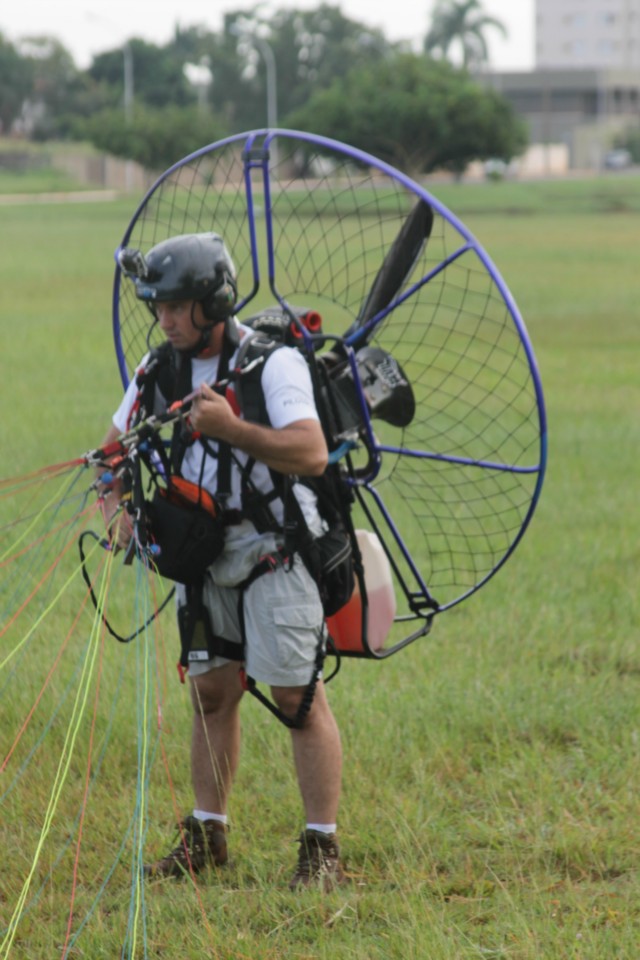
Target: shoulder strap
pixel 223 491
pixel 159 372
pixel 178 388
pixel 254 352
pixel 252 357
pixel 171 373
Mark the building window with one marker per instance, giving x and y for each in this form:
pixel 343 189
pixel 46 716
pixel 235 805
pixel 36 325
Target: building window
pixel 574 19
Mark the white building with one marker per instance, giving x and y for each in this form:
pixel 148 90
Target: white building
pixel 588 34
pixel 584 94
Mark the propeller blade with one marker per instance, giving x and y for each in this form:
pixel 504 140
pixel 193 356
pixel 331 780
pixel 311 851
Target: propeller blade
pixel 397 264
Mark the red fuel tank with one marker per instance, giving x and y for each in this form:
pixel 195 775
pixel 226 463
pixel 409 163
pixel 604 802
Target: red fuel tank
pixel 345 626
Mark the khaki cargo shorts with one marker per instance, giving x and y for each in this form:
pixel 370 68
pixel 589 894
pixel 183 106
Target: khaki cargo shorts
pixel 283 616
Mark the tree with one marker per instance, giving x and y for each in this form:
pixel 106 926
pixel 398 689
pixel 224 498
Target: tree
pixel 155 138
pixel 629 140
pixel 159 78
pixel 310 47
pixel 461 24
pixel 16 83
pixel 425 115
pixel 55 88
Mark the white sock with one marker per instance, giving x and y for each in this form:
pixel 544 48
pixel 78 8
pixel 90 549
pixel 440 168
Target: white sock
pixel 322 827
pixel 203 815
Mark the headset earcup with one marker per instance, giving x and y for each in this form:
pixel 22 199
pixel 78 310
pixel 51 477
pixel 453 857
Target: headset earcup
pixel 220 302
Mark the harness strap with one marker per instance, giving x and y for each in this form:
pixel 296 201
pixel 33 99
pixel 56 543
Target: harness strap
pixel 181 438
pixel 195 628
pixel 296 722
pixel 223 491
pixel 269 564
pixel 197 639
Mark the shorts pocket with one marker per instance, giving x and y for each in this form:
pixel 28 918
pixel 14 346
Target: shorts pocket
pixel 297 634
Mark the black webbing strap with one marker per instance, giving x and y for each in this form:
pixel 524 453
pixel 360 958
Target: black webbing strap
pixel 194 622
pixel 195 626
pixel 87 579
pixel 296 722
pixel 196 632
pixel 181 437
pixel 269 564
pixel 223 491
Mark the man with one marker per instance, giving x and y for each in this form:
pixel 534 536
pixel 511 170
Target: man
pixel 189 284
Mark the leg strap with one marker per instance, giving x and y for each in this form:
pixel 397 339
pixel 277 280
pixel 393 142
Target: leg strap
pixel 296 722
pixel 197 639
pixel 269 564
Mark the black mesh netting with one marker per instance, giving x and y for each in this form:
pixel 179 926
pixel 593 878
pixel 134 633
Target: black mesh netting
pixel 313 228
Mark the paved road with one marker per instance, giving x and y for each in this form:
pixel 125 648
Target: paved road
pixel 80 196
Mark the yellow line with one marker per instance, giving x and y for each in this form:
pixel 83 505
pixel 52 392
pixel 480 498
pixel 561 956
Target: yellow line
pixel 79 708
pixel 48 609
pixel 55 498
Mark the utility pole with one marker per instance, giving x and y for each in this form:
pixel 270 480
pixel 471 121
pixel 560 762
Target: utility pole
pixel 245 31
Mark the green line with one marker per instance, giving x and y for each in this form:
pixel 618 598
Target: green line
pixel 79 708
pixel 48 609
pixel 54 499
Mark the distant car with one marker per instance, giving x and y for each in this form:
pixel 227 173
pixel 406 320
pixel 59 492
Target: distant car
pixel 617 159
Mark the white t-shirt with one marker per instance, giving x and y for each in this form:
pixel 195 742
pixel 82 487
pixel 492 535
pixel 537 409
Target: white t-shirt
pixel 288 395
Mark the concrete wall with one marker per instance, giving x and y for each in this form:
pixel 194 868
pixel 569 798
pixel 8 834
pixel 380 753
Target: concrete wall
pixel 104 171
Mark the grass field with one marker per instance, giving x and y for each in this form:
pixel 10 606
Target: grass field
pixel 491 801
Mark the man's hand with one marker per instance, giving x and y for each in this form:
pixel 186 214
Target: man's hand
pixel 212 415
pixel 300 448
pixel 116 520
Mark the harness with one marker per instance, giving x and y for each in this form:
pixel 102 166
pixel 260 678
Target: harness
pixel 167 378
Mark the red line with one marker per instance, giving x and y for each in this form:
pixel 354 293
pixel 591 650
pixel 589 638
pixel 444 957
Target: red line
pixel 178 816
pixel 47 680
pixel 174 800
pixel 37 587
pixel 85 795
pixel 91 509
pixel 54 468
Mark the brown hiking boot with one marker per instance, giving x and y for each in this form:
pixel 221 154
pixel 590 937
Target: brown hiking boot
pixel 202 843
pixel 318 862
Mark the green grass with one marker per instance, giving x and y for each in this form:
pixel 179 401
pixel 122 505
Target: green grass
pixel 34 182
pixel 39 174
pixel 604 194
pixel 491 797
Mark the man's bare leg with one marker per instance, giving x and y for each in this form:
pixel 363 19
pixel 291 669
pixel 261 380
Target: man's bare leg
pixel 215 740
pixel 317 753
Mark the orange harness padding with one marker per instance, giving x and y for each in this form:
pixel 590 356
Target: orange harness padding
pixel 179 491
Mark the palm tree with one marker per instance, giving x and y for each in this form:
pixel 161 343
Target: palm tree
pixel 462 24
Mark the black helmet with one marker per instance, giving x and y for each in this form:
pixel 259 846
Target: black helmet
pixel 195 266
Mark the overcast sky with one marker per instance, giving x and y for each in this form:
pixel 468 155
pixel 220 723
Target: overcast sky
pixel 87 27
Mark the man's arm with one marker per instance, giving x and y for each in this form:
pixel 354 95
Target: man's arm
pixel 299 448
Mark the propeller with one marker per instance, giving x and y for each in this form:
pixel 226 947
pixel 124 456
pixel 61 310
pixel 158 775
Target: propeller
pixel 383 380
pixel 396 267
